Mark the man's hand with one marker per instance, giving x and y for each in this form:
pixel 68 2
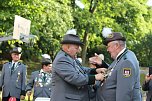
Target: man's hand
pixel 95 60
pixel 22 97
pixel 101 70
pixel 29 93
pixel 148 77
pixel 92 66
pixel 99 76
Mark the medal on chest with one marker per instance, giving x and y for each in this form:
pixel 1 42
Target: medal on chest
pixel 42 80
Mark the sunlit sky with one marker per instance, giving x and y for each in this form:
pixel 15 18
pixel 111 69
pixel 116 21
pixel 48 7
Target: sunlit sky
pixel 149 2
pixel 81 5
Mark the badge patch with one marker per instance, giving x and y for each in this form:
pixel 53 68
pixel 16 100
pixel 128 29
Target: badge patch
pixel 110 35
pixel 127 72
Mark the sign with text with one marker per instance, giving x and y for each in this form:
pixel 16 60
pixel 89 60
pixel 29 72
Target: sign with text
pixel 21 27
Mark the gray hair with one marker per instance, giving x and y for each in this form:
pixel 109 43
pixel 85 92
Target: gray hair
pixel 121 43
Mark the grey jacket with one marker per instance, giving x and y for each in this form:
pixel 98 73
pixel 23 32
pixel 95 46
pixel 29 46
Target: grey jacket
pixel 70 80
pixel 42 88
pixel 123 82
pixel 13 84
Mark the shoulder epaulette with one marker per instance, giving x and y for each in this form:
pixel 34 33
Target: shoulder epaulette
pixel 37 71
pixel 21 63
pixel 7 62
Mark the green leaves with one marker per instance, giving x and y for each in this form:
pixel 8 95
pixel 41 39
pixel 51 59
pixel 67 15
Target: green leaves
pixel 50 19
pixel 131 17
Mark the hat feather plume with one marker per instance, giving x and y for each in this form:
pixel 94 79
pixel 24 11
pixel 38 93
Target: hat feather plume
pixel 71 31
pixel 19 49
pixel 106 32
pixel 46 56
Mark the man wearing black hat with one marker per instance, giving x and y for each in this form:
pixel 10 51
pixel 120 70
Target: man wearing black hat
pixel 41 80
pixel 70 79
pixel 13 77
pixel 123 76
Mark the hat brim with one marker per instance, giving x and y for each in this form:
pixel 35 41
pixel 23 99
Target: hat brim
pixel 47 62
pixel 15 52
pixel 72 42
pixel 107 41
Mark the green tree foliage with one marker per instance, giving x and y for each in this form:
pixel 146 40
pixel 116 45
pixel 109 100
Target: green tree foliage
pixel 131 17
pixel 144 50
pixel 50 20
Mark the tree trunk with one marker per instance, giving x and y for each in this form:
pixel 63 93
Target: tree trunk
pixel 86 35
pixel 84 48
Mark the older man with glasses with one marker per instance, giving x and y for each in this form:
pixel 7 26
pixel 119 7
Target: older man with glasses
pixel 123 75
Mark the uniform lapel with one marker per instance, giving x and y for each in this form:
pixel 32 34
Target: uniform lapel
pixel 78 66
pixel 110 69
pixel 15 68
pixel 113 64
pixel 10 65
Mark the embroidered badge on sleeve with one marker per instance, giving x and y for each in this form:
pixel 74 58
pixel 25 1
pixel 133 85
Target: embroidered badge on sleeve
pixel 127 72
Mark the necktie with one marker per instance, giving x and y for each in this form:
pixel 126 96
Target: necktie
pixel 12 68
pixel 44 77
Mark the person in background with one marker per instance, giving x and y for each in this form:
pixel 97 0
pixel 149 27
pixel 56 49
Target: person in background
pixel 70 79
pixel 147 86
pixel 123 77
pixel 41 80
pixel 13 77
